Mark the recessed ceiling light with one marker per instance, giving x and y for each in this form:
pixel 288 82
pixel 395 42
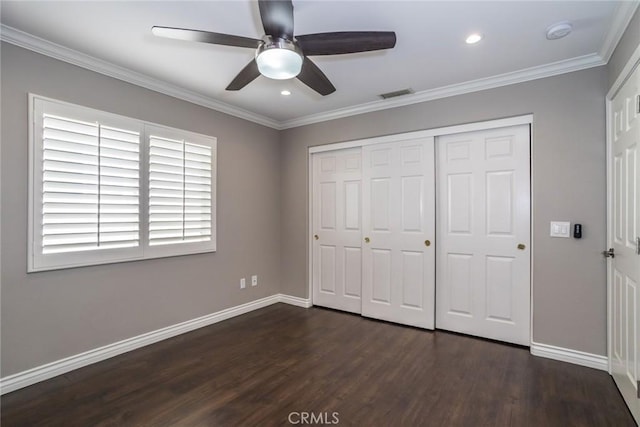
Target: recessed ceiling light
pixel 285 93
pixel 559 30
pixel 474 38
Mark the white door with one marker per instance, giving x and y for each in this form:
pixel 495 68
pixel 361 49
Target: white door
pixel 624 235
pixel 398 227
pixel 336 219
pixel 483 234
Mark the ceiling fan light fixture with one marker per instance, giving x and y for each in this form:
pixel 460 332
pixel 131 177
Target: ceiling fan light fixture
pixel 279 59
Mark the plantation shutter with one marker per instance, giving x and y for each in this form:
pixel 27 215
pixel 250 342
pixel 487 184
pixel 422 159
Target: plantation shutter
pixel 119 214
pixel 70 185
pixel 180 191
pixel 105 188
pixel 90 186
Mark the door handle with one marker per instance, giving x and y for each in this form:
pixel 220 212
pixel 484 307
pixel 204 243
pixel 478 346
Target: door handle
pixel 609 253
pixel 367 240
pixel 315 236
pixel 427 243
pixel 521 247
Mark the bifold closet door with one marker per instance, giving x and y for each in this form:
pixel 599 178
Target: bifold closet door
pixel 398 222
pixel 336 222
pixel 483 271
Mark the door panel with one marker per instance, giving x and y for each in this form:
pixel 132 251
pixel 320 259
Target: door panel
pixel 398 268
pixel 336 219
pixel 483 279
pixel 624 224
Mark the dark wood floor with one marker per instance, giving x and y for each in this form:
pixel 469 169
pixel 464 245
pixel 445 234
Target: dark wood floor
pixel 258 368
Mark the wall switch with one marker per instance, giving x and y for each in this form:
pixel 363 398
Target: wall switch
pixel 254 280
pixel 243 283
pixel 560 229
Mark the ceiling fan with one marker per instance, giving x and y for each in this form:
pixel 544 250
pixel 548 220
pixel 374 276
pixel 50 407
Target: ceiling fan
pixel 281 55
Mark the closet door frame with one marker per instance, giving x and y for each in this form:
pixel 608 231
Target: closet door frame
pixel 448 130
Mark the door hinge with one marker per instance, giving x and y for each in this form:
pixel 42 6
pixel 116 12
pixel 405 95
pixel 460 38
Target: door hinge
pixel 638 104
pixel 638 388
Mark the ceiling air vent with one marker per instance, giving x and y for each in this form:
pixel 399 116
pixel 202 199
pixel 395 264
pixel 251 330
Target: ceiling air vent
pixel 401 92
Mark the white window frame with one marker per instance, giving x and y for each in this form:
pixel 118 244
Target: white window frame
pixel 37 261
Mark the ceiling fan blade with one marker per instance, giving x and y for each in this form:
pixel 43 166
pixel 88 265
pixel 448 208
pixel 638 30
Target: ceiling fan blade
pixel 314 78
pixel 277 18
pixel 205 37
pixel 244 77
pixel 346 42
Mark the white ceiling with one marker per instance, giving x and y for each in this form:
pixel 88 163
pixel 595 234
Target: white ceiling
pixel 430 52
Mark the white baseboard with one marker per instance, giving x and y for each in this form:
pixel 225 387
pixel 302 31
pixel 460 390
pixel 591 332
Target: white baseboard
pixel 576 357
pixel 297 301
pixel 62 366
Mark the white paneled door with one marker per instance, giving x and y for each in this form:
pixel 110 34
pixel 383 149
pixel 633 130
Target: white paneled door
pixel 624 236
pixel 336 218
pixel 398 223
pixel 483 235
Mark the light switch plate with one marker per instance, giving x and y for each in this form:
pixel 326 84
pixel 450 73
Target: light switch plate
pixel 560 229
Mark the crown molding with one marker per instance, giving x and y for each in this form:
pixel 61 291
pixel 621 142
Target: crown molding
pixel 56 51
pixel 619 23
pixel 622 16
pixel 533 73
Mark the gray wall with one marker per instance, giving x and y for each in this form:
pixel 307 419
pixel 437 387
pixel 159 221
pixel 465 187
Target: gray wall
pixel 568 166
pixel 626 46
pixel 262 209
pixel 50 315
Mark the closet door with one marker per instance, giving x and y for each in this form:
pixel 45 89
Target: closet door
pixel 398 229
pixel 483 271
pixel 336 219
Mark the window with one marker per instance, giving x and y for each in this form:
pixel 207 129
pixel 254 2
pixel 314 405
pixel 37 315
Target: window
pixel 106 188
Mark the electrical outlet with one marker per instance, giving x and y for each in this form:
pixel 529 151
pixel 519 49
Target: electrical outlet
pixel 243 283
pixel 254 280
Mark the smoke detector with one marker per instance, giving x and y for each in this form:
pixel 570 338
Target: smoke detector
pixel 559 30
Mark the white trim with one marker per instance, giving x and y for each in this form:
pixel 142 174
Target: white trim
pixel 56 51
pixel 619 23
pixel 447 130
pixel 568 355
pixel 297 301
pixel 631 64
pixel 534 73
pixel 609 198
pixel 532 174
pixel 44 372
pixel 310 225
